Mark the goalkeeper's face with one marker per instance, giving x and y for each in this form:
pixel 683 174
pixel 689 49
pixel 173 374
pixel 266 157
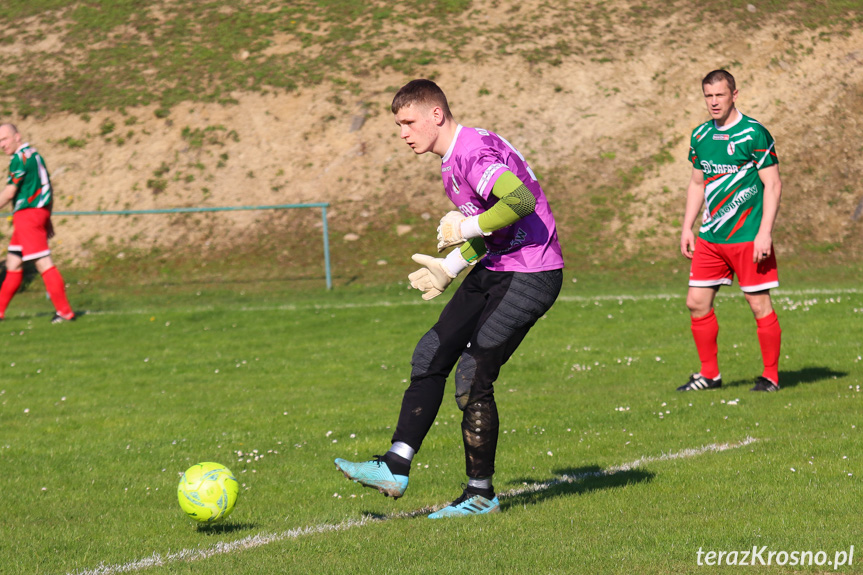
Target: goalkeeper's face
pixel 420 127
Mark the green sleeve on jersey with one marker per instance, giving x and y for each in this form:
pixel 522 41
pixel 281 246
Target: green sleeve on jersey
pixel 472 250
pixel 516 202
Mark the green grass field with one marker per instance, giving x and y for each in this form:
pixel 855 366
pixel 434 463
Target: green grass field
pixel 100 417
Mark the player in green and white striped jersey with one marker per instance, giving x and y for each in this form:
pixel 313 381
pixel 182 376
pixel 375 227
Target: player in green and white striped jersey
pixel 28 189
pixel 735 176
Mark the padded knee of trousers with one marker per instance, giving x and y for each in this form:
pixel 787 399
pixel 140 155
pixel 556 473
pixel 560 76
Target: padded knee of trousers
pixel 465 374
pixel 424 353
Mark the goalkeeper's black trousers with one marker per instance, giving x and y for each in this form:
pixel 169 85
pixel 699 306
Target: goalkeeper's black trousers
pixel 480 328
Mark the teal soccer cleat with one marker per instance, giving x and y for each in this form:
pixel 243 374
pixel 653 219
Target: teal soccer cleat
pixel 375 474
pixel 468 504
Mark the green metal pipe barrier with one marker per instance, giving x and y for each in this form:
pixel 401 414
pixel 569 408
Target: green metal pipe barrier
pixel 323 207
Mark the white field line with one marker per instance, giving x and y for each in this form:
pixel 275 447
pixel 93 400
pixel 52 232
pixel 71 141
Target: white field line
pixel 254 541
pixel 418 301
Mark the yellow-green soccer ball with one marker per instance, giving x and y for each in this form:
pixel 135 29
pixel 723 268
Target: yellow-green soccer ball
pixel 208 492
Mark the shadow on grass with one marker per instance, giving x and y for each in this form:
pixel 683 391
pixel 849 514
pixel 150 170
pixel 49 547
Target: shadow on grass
pixel 221 528
pixel 577 481
pixel 796 377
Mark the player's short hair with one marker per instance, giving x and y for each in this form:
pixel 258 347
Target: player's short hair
pixel 421 92
pixel 12 127
pixel 719 75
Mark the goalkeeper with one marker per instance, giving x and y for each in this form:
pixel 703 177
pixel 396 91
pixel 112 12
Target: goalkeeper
pixel 504 228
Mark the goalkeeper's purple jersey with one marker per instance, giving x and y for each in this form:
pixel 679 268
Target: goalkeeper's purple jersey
pixel 475 160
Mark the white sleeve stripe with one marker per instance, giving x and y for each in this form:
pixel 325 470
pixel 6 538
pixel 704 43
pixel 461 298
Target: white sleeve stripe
pixel 766 155
pixel 486 178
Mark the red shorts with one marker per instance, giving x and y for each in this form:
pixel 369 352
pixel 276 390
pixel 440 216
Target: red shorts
pixel 30 233
pixel 716 264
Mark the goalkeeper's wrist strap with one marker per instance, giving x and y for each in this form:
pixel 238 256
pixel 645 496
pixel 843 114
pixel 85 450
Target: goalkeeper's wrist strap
pixel 470 228
pixel 453 264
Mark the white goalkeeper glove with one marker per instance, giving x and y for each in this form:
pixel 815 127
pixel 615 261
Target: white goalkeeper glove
pixel 455 229
pixel 437 273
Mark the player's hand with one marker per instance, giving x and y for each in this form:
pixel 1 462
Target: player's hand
pixel 687 244
pixel 762 247
pixel 449 231
pixel 431 279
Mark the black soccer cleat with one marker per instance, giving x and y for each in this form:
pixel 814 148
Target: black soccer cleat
pixel 698 382
pixel 60 319
pixel 764 384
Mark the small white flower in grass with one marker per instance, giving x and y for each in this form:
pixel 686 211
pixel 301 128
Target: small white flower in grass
pixel 329 433
pixel 550 454
pixel 335 440
pixel 217 371
pixel 793 470
pixel 658 358
pixel 27 410
pixel 146 359
pixel 353 435
pixel 46 489
pixel 12 364
pixel 63 398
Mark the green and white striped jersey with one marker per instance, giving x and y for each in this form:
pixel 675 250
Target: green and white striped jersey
pixel 730 158
pixel 28 173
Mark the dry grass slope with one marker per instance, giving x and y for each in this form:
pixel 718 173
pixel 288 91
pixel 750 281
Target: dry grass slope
pixel 599 97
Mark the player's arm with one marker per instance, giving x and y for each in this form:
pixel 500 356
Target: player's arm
pixel 7 194
pixel 473 250
pixel 694 201
pixel 515 201
pixel 763 243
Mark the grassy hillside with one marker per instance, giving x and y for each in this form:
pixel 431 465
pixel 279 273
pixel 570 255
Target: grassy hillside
pixel 167 104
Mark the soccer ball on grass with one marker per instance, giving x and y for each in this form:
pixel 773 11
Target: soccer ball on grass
pixel 207 492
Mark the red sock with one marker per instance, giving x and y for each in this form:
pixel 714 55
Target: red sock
pixel 770 338
pixel 705 331
pixel 57 290
pixel 8 289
